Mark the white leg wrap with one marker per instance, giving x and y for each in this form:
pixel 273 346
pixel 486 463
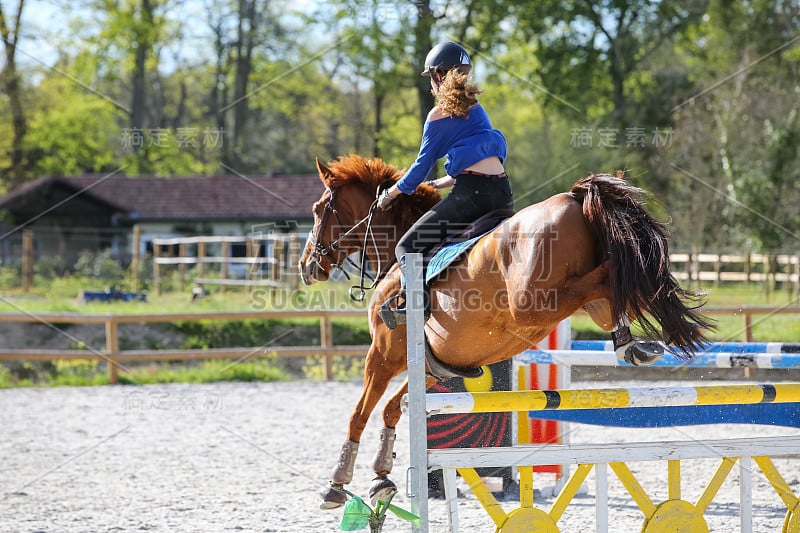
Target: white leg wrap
pixel 384 457
pixel 342 473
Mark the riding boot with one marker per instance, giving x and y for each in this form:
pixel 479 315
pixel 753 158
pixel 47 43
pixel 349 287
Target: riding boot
pixel 394 316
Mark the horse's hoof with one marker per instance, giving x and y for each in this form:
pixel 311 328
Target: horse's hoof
pixel 643 352
pixel 382 488
pixel 333 498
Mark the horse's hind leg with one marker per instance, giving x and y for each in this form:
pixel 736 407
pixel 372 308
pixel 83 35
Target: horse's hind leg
pixel 627 348
pixel 382 487
pixel 378 373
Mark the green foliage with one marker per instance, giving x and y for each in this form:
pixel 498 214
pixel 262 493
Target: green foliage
pixel 720 76
pixel 342 368
pixel 9 278
pixel 71 131
pixel 729 152
pixel 263 370
pixel 99 265
pixel 77 374
pixel 6 380
pixel 92 372
pixel 221 334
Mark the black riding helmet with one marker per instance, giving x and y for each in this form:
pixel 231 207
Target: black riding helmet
pixel 446 56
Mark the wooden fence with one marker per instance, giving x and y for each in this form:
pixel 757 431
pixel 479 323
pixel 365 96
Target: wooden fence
pixel 269 260
pixel 115 357
pixel 699 268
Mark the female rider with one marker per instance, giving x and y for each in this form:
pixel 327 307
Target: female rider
pixel 457 128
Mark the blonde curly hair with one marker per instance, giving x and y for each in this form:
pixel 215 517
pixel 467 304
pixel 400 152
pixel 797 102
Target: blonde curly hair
pixel 455 96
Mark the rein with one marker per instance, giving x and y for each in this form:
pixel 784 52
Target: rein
pixel 357 292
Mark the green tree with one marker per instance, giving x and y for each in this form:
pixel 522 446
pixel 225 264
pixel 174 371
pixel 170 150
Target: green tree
pixel 71 132
pixel 245 32
pixel 372 38
pixel 736 164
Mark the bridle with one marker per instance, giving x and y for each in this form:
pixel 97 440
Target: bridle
pixel 321 250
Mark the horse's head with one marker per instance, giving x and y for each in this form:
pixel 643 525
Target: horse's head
pixel 342 215
pixel 351 186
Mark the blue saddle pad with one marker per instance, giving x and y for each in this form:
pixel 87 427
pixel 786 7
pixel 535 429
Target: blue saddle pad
pixel 448 254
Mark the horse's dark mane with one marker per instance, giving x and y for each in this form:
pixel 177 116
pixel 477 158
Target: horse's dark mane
pixel 636 244
pixel 374 173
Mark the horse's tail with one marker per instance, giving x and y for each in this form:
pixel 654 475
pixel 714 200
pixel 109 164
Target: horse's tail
pixel 636 245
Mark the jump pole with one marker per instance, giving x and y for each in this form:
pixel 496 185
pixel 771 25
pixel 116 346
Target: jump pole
pixel 417 474
pixel 711 358
pixel 483 402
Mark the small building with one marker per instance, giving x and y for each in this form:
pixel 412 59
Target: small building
pixel 68 215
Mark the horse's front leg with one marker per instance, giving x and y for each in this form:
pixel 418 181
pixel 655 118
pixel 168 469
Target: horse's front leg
pixel 378 372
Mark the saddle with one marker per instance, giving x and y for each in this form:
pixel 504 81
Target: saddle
pixel 443 256
pixel 456 246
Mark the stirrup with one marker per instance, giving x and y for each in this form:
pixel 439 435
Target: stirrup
pixel 393 317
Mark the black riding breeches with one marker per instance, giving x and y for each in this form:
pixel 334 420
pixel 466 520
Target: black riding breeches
pixel 472 197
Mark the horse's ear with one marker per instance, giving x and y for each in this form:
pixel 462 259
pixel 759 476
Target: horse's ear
pixel 325 173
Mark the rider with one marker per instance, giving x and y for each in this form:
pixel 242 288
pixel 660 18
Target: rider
pixel 458 128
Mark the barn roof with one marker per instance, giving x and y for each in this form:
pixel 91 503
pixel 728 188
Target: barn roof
pixel 207 198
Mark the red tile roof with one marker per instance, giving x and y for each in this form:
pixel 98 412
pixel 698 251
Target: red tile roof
pixel 193 198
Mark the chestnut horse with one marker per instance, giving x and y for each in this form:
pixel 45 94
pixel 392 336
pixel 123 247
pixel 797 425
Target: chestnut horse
pixel 594 247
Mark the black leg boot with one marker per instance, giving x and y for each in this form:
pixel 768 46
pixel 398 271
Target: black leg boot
pixel 393 310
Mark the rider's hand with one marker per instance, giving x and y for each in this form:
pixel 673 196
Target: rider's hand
pixel 386 198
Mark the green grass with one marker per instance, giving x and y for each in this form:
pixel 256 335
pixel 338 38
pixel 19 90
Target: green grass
pixel 88 373
pixel 61 296
pixel 206 372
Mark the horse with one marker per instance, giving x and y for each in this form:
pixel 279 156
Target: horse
pixel 594 247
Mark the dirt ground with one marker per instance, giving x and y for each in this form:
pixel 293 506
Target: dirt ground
pixel 254 457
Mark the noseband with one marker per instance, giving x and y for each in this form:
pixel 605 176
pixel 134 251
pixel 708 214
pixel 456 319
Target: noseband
pixel 320 250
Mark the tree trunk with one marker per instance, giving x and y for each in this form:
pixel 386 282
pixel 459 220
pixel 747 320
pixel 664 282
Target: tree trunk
pixel 13 90
pixel 138 116
pixel 376 140
pixel 219 90
pixel 139 85
pixel 12 87
pixel 422 45
pixel 245 43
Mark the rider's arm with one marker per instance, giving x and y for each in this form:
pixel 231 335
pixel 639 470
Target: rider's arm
pixel 432 148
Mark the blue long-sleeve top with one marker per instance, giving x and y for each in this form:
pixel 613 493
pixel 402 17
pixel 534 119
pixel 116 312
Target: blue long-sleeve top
pixel 464 141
